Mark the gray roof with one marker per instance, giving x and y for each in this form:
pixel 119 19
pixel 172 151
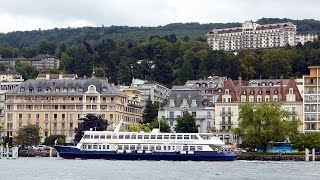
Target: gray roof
pixel 189 94
pixel 72 87
pixel 9 72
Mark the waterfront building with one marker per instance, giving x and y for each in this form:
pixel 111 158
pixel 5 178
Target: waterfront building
pixel 55 105
pixel 150 89
pixel 311 100
pixel 210 88
pixel 8 80
pixel 57 76
pixel 187 100
pixel 235 93
pixel 255 36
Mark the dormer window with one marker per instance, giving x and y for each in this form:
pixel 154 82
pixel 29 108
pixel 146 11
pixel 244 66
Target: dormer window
pixel 72 90
pixel 104 89
pixel 48 89
pixel 22 89
pixel 57 90
pixel 226 91
pixel 275 92
pixel 64 89
pixel 30 90
pixel 39 89
pixel 290 91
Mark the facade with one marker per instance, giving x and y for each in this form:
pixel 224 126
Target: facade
pixel 189 100
pixel 311 100
pixel 210 88
pixel 254 36
pixel 8 80
pixel 55 105
pixel 153 90
pixel 256 91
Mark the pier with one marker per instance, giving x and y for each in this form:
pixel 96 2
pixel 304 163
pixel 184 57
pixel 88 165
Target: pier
pixel 9 153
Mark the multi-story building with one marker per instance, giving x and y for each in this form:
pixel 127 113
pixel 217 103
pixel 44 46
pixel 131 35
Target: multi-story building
pixel 256 91
pixel 210 88
pixel 45 61
pixel 182 100
pixel 8 81
pixel 153 90
pixel 311 100
pixel 254 36
pixel 55 105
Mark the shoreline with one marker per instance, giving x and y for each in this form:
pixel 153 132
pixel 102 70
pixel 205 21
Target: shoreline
pixel 275 157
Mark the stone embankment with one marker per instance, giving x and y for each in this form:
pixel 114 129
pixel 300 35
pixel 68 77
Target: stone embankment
pixel 274 157
pixel 37 153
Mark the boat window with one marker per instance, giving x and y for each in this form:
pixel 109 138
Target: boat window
pixel 192 148
pixel 108 136
pixel 185 148
pixel 121 136
pixel 95 147
pixel 119 147
pixel 169 147
pixel 166 136
pixel 146 137
pixel 151 147
pixel 100 146
pixel 86 137
pixel 138 147
pixel 194 137
pixel 84 146
pixel 158 147
pixel 186 137
pixel 133 136
pixel 91 136
pixel 172 136
pixel 179 137
pixel 125 147
pixel 108 146
pixel 153 136
pixel 199 148
pixel 103 146
pixel 165 148
pixel 89 146
pixel 127 136
pixel 159 136
pixel 102 136
pixel 145 147
pixel 173 147
pixel 132 147
pixel 139 136
pixel 96 136
pixel 114 137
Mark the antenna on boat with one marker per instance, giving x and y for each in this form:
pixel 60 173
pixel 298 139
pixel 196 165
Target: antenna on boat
pixel 158 113
pixel 118 126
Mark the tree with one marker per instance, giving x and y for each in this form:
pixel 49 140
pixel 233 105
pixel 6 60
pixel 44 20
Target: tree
pixel 150 112
pixel 3 67
pixel 264 123
pixel 139 128
pixel 202 72
pixel 309 141
pixel 99 72
pixel 28 135
pixel 50 140
pixel 186 124
pixel 164 125
pixel 90 121
pixel 27 70
pixel 186 71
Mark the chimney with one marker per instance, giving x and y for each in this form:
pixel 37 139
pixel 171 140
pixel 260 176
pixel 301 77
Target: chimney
pixel 240 84
pixel 281 86
pixel 60 76
pixel 47 76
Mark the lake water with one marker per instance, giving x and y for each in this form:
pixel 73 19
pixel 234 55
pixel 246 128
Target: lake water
pixel 56 168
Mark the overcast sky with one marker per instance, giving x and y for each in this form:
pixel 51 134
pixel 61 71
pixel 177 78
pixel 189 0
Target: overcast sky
pixel 21 15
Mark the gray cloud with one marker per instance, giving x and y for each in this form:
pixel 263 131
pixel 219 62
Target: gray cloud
pixel 34 14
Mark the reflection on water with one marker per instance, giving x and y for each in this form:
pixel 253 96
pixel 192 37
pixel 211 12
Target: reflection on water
pixel 55 168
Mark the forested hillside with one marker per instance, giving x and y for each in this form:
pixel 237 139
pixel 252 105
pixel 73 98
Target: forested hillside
pixel 178 52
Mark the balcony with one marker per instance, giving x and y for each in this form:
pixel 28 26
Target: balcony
pixel 226 113
pixel 225 123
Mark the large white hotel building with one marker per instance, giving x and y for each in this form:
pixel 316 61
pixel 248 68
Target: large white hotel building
pixel 254 36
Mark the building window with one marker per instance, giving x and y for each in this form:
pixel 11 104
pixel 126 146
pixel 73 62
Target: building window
pixel 171 114
pixel 227 91
pixel 194 114
pixel 290 91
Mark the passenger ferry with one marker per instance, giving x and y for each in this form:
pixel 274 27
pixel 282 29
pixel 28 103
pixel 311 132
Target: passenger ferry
pixel 114 145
